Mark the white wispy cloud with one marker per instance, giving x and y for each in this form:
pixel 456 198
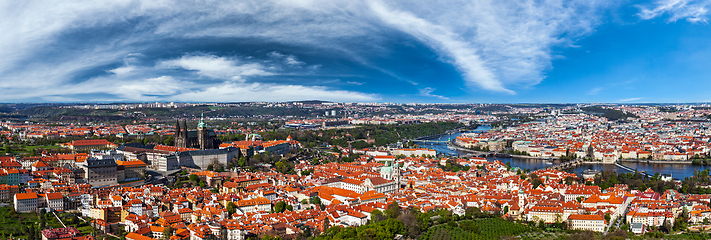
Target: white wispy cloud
pixel 692 10
pixel 166 88
pixel 594 91
pixel 441 37
pixel 290 60
pixel 216 67
pixel 495 44
pixel 228 92
pixel 629 99
pixel 163 85
pixel 427 92
pixel 122 70
pixel 228 75
pixel 354 83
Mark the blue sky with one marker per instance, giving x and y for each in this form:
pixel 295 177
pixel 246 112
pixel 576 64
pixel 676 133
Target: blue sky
pixel 494 51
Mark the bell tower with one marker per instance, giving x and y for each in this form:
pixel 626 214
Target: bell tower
pixel 202 133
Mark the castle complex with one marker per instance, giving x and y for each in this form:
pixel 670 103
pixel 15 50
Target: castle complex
pixel 202 138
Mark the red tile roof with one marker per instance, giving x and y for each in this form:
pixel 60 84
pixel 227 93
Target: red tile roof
pixel 90 142
pixel 25 196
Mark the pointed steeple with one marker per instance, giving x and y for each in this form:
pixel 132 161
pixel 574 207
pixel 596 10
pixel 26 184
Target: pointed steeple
pixel 202 122
pixel 177 127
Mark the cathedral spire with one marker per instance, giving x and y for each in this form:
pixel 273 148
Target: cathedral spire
pixel 177 127
pixel 202 123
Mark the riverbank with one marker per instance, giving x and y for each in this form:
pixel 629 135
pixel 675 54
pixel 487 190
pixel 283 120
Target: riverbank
pixel 475 152
pixel 597 162
pixel 654 161
pixel 532 157
pixel 446 133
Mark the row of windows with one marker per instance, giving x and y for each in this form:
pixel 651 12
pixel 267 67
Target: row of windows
pixel 586 225
pixel 104 180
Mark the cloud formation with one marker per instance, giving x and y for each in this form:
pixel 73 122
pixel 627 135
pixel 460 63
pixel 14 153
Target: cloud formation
pixel 427 92
pixel 629 99
pixel 595 91
pixel 232 92
pixel 495 46
pixel 216 67
pixel 694 11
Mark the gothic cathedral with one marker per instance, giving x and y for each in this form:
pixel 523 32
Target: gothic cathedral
pixel 202 138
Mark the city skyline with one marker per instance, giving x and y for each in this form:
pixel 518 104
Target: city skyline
pixel 356 51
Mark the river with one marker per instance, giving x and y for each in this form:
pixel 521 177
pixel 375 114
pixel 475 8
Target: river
pixel 678 171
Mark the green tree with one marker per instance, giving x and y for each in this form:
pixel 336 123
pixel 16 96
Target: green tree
pixel 194 177
pixel 667 227
pixel 315 200
pixel 122 234
pixel 167 232
pixel 169 141
pixel 31 233
pixel 283 167
pixel 231 207
pixel 393 210
pixel 377 215
pixel 536 182
pixel 280 206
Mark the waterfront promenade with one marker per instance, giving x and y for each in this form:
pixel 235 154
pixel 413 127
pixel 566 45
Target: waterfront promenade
pixel 655 161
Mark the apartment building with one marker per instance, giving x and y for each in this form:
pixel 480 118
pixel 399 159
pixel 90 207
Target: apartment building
pixel 25 202
pixel 55 201
pixel 587 222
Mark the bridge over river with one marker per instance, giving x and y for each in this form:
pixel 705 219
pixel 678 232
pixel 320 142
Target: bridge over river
pixel 569 164
pixel 578 162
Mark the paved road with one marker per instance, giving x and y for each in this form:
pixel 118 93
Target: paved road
pixel 607 229
pixel 620 213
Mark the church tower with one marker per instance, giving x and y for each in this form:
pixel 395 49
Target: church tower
pixel 396 175
pixel 179 140
pixel 184 133
pixel 202 133
pixel 202 138
pixel 177 127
